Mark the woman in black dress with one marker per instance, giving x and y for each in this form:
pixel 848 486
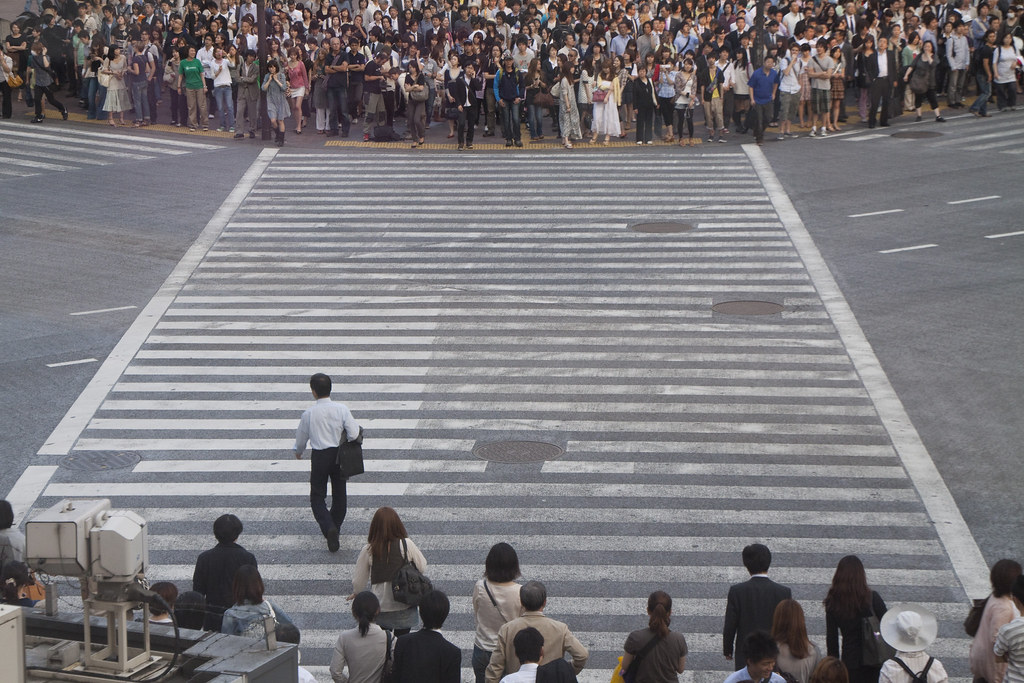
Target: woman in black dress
pixel 849 600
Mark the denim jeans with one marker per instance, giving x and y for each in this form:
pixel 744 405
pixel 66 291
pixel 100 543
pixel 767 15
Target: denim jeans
pixel 222 93
pixel 337 108
pixel 94 96
pixel 481 658
pixel 984 92
pixel 140 96
pixel 535 120
pixel 510 121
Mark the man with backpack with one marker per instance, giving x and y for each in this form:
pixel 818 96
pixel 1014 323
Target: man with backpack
pixel 910 629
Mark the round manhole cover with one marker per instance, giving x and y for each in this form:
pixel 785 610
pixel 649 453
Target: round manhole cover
pixel 916 134
pixel 662 227
pixel 517 451
pixel 748 308
pixel 96 461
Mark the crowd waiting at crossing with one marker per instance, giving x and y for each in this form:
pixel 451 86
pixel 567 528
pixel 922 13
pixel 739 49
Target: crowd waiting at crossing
pixel 516 641
pixel 570 70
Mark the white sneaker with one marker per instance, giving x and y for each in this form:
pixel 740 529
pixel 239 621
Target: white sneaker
pixel 814 131
pixel 823 133
pixel 781 137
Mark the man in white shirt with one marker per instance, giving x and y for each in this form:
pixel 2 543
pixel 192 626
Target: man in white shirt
pixel 324 425
pixel 529 645
pixel 958 54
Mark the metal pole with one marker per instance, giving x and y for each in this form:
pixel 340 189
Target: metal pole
pixel 759 45
pixel 262 51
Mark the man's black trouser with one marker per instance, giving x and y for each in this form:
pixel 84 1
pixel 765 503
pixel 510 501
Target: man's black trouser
pixel 324 467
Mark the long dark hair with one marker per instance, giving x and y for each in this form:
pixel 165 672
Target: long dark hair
pixel 659 607
pixel 386 526
pixel 849 593
pixel 789 627
pixel 365 608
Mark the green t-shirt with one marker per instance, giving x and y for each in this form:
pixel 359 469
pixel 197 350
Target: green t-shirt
pixel 191 71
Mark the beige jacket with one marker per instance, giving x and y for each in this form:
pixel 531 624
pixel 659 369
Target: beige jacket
pixel 998 611
pixel 557 641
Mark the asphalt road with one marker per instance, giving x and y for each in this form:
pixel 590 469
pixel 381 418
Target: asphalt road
pixel 944 320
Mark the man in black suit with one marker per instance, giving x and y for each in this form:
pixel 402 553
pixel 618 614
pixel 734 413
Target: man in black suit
pixel 425 656
pixel 882 76
pixel 751 605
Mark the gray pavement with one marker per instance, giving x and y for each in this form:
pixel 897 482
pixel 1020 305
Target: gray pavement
pixel 688 433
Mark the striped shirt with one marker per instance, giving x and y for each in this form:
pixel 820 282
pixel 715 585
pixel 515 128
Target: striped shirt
pixel 1010 642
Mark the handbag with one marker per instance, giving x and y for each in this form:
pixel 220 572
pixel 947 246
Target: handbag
pixel 451 113
pixel 874 651
pixel 600 96
pixel 350 456
pixel 918 80
pixel 421 95
pixel 410 584
pixel 387 674
pixel 169 74
pixel 543 99
pixel 14 81
pixel 973 621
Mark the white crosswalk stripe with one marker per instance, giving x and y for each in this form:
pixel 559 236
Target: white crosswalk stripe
pixel 31 150
pixel 961 133
pixel 687 433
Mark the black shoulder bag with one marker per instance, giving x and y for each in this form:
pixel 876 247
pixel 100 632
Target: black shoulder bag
pixel 629 675
pixel 350 455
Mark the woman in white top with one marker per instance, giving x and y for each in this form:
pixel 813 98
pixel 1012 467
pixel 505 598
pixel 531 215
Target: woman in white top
pixel 798 656
pixel 360 652
pixel 606 112
pixel 160 612
pixel 387 548
pixel 495 602
pixel 1004 73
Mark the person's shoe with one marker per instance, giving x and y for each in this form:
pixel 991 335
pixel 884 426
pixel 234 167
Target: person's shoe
pixel 220 129
pixel 984 115
pixel 649 142
pixel 824 133
pixel 366 137
pixel 918 118
pixel 332 541
pixel 721 139
pixel 939 119
pixel 64 114
pixel 231 130
pixel 508 143
pixel 884 125
pixel 209 116
pixel 773 124
pixel 781 137
pixel 813 133
pixel 469 146
pixel 639 142
pixel 37 119
pixel 519 143
pixel 461 147
pixel 239 136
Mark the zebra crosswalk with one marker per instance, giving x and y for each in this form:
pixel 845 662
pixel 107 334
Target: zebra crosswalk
pixel 961 133
pixel 27 150
pixel 464 300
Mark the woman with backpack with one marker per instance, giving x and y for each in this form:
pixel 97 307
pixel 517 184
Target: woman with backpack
pixel 910 629
pixel 848 603
pixel 246 616
pixel 388 547
pixel 361 652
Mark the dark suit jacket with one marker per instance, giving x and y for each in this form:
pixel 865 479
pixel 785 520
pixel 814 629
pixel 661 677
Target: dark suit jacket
pixel 426 657
pixel 556 671
pixel 457 88
pixel 868 65
pixel 750 607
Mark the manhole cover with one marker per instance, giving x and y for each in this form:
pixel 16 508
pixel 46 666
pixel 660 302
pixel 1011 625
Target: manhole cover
pixel 517 451
pixel 662 227
pixel 916 134
pixel 95 461
pixel 748 308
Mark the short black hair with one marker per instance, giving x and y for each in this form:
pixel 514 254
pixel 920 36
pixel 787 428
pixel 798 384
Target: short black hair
pixel 434 609
pixel 528 644
pixel 757 558
pixel 6 515
pixel 502 564
pixel 190 610
pixel 760 646
pixel 227 528
pixel 321 383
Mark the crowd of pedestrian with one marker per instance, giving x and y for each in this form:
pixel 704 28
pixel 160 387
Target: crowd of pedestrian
pixel 581 68
pixel 515 641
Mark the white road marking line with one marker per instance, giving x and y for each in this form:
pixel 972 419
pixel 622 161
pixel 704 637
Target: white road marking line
pixel 874 213
pixel 968 562
pixel 241 445
pixel 27 489
pixel 41 138
pixel 975 199
pixel 870 136
pixel 34 163
pixel 1004 234
pixel 76 419
pixel 71 362
pixel 103 310
pixel 914 248
pixel 294 465
pixel 121 138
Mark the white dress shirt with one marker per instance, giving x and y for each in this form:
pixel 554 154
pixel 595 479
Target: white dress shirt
pixel 321 425
pixel 527 674
pixel 883 63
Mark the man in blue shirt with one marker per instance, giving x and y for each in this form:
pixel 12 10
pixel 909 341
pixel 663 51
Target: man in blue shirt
pixel 763 85
pixel 761 654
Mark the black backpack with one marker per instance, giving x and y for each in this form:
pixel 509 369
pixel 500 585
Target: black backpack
pixel 919 677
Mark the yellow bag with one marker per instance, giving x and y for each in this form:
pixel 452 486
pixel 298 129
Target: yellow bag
pixel 617 674
pixel 14 81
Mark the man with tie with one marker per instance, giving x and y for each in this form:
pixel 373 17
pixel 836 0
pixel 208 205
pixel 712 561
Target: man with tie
pixel 850 19
pixel 751 605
